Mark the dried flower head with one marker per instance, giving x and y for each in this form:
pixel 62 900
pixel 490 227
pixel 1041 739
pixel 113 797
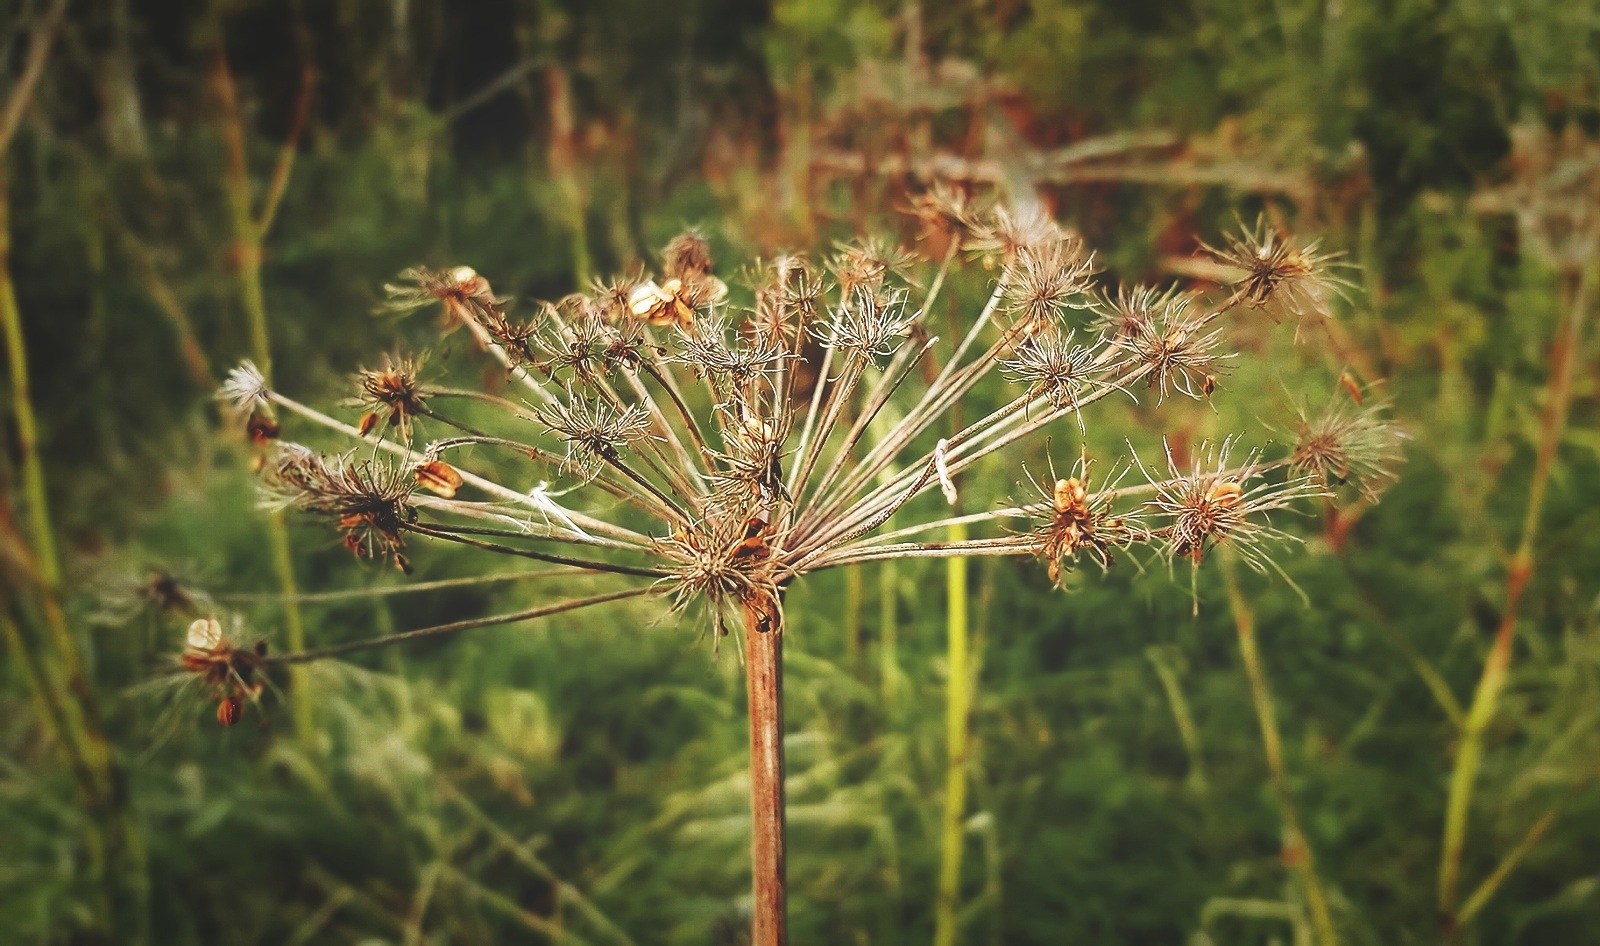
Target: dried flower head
pixel 1128 310
pixel 1045 280
pixel 1008 230
pixel 390 393
pixel 947 210
pixel 369 501
pixel 687 257
pixel 865 265
pixel 1052 367
pixel 732 362
pixel 1176 346
pixel 728 562
pixel 1281 274
pixel 790 298
pixel 867 322
pixel 1348 443
pixel 1075 521
pixel 586 346
pixel 245 389
pixel 611 298
pixel 419 287
pixel 1214 503
pixel 595 430
pixel 778 440
pixel 231 673
pixel 675 302
pixel 750 471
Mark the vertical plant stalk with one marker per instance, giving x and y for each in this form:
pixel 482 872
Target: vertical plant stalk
pixel 958 705
pixel 249 232
pixel 1298 848
pixel 1181 717
pixel 563 169
pixel 853 595
pixel 115 846
pixel 889 631
pixel 1497 666
pixel 116 850
pixel 763 662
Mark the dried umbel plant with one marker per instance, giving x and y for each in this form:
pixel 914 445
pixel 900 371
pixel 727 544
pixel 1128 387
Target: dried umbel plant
pixel 706 461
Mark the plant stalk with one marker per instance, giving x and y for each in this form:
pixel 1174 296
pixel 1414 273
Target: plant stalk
pixel 763 659
pixel 1497 666
pixel 958 707
pixel 1297 848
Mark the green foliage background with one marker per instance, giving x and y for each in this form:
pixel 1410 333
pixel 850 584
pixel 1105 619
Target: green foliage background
pixel 580 778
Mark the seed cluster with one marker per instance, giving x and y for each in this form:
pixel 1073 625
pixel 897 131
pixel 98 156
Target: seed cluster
pixel 722 450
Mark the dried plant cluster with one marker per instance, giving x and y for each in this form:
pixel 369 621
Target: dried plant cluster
pixel 721 446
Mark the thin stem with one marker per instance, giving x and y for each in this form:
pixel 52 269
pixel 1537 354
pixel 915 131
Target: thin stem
pixel 1297 850
pixel 811 416
pixel 21 95
pixel 958 706
pixel 245 597
pixel 893 376
pixel 1492 883
pixel 339 650
pixel 1181 717
pixel 1497 666
pixel 664 379
pixel 589 564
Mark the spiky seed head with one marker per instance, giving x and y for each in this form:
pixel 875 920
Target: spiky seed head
pixel 1280 274
pixel 1008 230
pixel 1046 279
pixel 1349 443
pixel 1212 502
pixel 946 210
pixel 865 265
pixel 868 322
pixel 370 502
pixel 390 393
pixel 1177 347
pixel 595 430
pixel 687 257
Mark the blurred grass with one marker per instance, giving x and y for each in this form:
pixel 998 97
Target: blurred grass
pixel 580 779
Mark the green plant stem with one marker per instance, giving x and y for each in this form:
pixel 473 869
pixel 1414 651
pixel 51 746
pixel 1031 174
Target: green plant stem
pixel 1497 666
pixel 1490 884
pixel 249 231
pixel 1181 716
pixel 524 854
pixel 889 631
pixel 1298 848
pixel 115 844
pixel 958 706
pixel 853 593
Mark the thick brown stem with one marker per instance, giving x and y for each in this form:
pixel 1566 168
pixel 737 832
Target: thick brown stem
pixel 763 659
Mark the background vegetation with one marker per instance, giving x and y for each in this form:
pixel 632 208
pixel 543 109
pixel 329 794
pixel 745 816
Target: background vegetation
pixel 194 183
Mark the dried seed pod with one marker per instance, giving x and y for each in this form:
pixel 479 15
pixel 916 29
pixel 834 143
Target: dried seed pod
pixel 261 428
pixel 1225 494
pixel 229 709
pixel 439 478
pixel 204 634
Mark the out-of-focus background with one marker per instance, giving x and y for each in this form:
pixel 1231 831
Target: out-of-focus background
pixel 193 183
